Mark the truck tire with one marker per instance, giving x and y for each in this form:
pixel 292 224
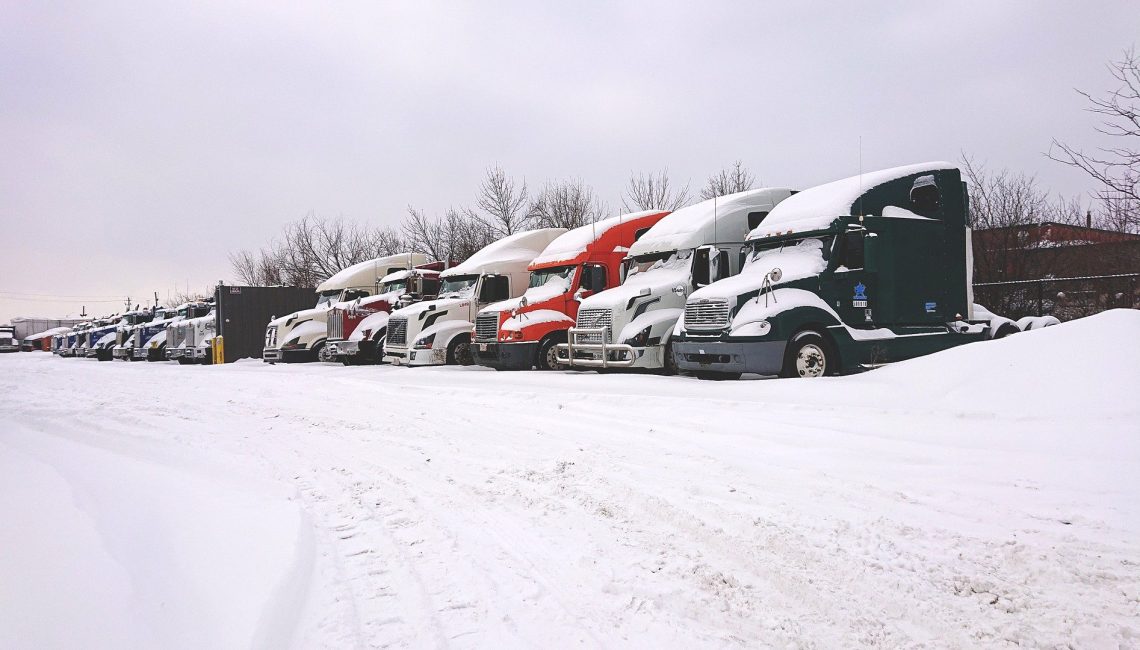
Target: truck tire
pixel 547 357
pixel 321 353
pixel 808 355
pixel 459 351
pixel 1006 329
pixel 379 354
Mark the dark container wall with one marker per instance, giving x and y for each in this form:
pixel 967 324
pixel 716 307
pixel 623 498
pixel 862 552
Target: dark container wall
pixel 244 312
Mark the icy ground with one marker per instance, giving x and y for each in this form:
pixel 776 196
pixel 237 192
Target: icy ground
pixel 988 496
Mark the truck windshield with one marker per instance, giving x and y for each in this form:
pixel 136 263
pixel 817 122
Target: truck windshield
pixel 328 297
pixel 667 260
pixel 7 331
pixel 458 286
pixel 563 274
pixel 397 286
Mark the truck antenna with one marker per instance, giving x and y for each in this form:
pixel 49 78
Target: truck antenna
pixel 128 303
pixel 860 208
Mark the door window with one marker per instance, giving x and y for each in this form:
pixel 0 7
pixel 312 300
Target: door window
pixel 495 288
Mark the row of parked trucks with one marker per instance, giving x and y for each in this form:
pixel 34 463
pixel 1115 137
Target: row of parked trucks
pixel 848 275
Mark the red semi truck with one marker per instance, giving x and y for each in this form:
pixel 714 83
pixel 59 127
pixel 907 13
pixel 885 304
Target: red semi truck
pixel 521 333
pixel 356 329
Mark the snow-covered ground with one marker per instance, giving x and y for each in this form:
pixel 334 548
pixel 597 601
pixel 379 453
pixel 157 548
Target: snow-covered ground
pixel 987 496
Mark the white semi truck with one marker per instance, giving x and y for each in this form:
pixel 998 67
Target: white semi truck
pixel 436 332
pixel 301 336
pixel 630 326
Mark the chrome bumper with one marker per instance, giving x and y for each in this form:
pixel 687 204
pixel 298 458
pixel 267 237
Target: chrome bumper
pixel 271 354
pixel 624 355
pixel 344 348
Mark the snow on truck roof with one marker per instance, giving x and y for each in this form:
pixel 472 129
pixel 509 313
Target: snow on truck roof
pixel 723 219
pixel 577 241
pixel 815 208
pixel 365 274
pixel 519 248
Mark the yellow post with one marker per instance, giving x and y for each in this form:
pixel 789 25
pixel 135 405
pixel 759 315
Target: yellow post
pixel 219 350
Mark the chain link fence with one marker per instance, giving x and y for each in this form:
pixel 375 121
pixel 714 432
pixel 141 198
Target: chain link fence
pixel 1063 298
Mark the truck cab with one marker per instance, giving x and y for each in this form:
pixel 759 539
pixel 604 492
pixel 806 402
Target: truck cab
pixel 854 273
pixel 101 334
pixel 127 331
pixel 8 340
pixel 630 326
pixel 301 336
pixel 356 330
pixel 180 332
pixel 436 332
pixel 69 345
pixel 150 339
pixel 521 333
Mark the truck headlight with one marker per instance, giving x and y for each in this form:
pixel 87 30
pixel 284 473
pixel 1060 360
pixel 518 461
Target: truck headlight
pixel 757 328
pixel 641 338
pixel 424 343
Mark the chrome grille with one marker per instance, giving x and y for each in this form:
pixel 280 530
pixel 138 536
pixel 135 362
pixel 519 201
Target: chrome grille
pixel 335 325
pixel 271 336
pixel 706 314
pixel 486 326
pixel 177 334
pixel 397 331
pixel 592 319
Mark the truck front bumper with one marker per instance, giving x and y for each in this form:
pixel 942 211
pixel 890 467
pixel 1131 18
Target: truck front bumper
pixel 122 353
pixel 505 356
pixel 364 349
pixel 199 355
pixel 759 357
pixel 413 357
pixel 175 353
pixel 9 348
pixel 610 355
pixel 278 355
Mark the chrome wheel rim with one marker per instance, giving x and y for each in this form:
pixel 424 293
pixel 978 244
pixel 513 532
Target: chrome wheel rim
pixel 811 361
pixel 324 354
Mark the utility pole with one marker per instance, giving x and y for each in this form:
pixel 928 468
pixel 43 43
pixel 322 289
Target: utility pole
pixel 83 312
pixel 156 300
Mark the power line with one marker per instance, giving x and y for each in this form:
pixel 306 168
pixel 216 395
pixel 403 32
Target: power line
pixel 59 295
pixel 33 299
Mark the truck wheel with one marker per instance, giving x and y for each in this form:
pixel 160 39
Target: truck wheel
pixel 459 352
pixel 322 354
pixel 808 355
pixel 379 354
pixel 1006 329
pixel 548 354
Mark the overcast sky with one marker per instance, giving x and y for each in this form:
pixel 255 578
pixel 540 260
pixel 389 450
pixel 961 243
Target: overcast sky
pixel 141 142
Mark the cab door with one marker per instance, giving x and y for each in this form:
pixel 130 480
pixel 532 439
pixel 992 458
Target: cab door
pixel 854 294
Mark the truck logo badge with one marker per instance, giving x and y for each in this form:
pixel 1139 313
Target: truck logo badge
pixel 860 299
pixel 931 307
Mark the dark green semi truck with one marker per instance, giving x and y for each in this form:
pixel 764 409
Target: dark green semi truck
pixel 855 273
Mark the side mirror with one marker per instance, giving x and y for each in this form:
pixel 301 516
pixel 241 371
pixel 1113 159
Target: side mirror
pixel 581 293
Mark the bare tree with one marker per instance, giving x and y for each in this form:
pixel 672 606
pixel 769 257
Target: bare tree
pixel 1116 168
pixel 181 296
pixel 1003 208
pixel 453 237
pixel 501 203
pixel 730 180
pixel 565 204
pixel 311 250
pixel 652 192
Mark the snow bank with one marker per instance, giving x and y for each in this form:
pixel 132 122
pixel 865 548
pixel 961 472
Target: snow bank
pixel 815 208
pixel 107 549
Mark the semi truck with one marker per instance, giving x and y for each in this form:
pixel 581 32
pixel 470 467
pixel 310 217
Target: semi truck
pixel 521 333
pixel 8 340
pixel 630 326
pixel 855 273
pixel 150 342
pixel 356 330
pixel 436 332
pixel 301 335
pixel 127 331
pixel 101 334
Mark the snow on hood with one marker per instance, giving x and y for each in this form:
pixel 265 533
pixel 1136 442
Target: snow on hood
pixel 440 304
pixel 372 322
pixel 815 208
pixel 303 314
pixel 536 317
pixel 366 273
pixel 554 287
pixel 802 260
pixel 724 219
pixel 659 278
pixel 571 244
pixel 518 249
